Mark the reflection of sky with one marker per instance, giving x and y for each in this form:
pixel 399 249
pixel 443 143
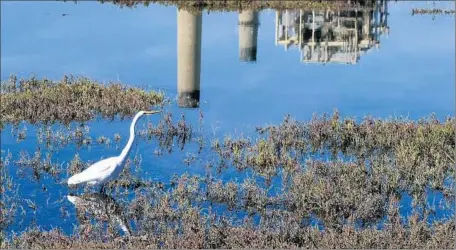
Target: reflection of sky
pixel 411 74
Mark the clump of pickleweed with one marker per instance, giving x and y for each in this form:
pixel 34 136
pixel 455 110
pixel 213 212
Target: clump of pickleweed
pixel 70 99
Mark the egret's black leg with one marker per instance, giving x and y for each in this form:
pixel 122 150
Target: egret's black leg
pixel 102 189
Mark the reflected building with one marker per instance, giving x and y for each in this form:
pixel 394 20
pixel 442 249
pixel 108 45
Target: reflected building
pixel 332 35
pixel 189 30
pixel 248 35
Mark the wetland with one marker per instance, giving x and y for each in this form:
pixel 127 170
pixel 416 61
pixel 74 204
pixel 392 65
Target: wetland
pixel 305 125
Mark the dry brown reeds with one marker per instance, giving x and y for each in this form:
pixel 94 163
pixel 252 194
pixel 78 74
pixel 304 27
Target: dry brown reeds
pixel 239 5
pixel 8 196
pixel 434 11
pixel 168 220
pixel 168 133
pixel 71 99
pixel 324 183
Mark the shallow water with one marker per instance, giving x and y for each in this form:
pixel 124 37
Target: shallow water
pixel 410 74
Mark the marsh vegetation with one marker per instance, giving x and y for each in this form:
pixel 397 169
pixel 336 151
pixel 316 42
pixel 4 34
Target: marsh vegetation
pixel 239 5
pixel 433 11
pixel 71 99
pixel 325 183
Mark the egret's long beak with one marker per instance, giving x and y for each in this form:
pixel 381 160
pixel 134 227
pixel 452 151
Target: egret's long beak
pixel 151 112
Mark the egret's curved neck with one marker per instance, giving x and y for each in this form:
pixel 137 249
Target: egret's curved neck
pixel 127 148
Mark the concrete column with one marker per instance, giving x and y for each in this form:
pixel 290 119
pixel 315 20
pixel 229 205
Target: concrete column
pixel 313 27
pixel 366 24
pixel 189 27
pixel 248 35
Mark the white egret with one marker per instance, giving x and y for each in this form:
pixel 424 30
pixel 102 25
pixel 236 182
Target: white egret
pixel 108 169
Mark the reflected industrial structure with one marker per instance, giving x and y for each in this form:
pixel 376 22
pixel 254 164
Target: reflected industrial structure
pixel 339 35
pixel 333 35
pixel 189 31
pixel 248 35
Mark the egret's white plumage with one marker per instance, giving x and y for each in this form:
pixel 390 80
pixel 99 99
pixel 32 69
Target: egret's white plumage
pixel 108 169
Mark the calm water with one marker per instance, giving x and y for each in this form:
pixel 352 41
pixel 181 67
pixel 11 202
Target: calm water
pixel 411 74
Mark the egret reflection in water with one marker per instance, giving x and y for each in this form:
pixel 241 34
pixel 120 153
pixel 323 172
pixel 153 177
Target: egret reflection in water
pixel 102 207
